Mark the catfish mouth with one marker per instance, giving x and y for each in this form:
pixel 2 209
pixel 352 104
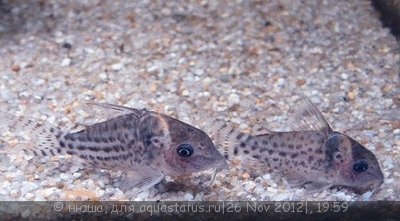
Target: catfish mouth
pixel 372 187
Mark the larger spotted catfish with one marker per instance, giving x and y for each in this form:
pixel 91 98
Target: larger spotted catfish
pixel 315 156
pixel 146 144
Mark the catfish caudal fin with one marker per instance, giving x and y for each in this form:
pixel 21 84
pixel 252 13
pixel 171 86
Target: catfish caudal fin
pixel 43 139
pixel 221 134
pixel 226 138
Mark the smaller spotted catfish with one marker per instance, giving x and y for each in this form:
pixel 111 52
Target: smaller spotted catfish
pixel 146 144
pixel 315 157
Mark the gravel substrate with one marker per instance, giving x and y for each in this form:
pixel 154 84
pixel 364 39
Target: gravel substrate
pixel 240 61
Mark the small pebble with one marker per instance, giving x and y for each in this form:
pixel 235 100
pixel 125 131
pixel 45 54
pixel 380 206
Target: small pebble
pixel 64 176
pixel 199 72
pixel 14 193
pixel 245 176
pixel 351 95
pixel 233 99
pixel 103 76
pixel 300 82
pixel 28 186
pixel 188 196
pixel 76 175
pixel 344 76
pixel 67 45
pixel 117 66
pixel 47 192
pixel 16 68
pixel 65 62
pixel 29 196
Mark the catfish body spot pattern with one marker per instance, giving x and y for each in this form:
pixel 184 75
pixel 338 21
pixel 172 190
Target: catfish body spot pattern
pixel 143 143
pixel 315 156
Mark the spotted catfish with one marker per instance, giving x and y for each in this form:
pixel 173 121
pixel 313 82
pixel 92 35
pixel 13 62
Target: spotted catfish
pixel 146 144
pixel 315 157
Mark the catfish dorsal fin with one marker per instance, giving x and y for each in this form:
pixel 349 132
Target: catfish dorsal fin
pixel 306 116
pixel 107 111
pixel 260 130
pixel 117 108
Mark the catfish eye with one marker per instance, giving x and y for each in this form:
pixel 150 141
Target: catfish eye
pixel 360 166
pixel 184 150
